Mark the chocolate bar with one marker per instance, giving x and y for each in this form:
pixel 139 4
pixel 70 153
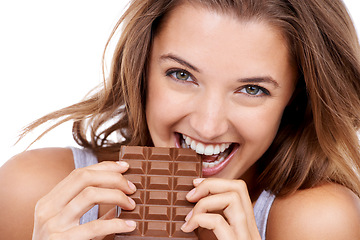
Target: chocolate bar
pixel 163 177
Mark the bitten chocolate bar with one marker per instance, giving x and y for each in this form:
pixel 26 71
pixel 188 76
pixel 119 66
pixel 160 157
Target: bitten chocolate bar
pixel 163 177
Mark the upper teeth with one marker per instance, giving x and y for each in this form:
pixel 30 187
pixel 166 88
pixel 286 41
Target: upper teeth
pixel 208 149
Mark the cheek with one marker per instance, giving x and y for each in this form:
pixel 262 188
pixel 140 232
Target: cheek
pixel 259 126
pixel 155 107
pixel 164 108
pixel 161 102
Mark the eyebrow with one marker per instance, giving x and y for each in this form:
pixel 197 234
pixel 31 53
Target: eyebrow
pixel 179 60
pixel 266 79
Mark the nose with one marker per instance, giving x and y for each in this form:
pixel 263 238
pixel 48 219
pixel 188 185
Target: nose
pixel 209 118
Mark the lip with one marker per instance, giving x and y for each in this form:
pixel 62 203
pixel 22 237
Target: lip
pixel 208 172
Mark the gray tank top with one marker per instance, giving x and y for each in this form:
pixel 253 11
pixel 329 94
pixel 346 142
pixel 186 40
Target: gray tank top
pixel 84 157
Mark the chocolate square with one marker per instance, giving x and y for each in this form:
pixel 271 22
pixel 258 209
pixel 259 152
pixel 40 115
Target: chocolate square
pixel 163 177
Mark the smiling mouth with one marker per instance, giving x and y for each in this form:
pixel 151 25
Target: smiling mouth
pixel 214 156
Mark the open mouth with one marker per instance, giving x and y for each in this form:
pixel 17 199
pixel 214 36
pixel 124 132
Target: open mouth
pixel 214 156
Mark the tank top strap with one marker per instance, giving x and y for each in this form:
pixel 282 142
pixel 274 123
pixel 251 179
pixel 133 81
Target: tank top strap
pixel 261 210
pixel 83 157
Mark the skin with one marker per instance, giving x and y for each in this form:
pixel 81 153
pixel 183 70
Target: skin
pixel 52 209
pixel 212 106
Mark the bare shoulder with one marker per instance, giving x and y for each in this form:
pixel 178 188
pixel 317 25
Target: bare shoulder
pixel 25 178
pixel 327 212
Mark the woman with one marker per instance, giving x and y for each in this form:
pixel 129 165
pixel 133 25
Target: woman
pixel 267 92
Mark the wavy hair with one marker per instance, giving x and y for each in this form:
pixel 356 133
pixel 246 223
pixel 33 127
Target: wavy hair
pixel 317 139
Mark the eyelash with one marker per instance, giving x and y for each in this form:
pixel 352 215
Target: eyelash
pixel 171 73
pixel 263 91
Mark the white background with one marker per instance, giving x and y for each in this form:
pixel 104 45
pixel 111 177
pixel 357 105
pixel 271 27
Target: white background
pixel 50 57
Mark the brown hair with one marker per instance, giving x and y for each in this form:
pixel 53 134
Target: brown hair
pixel 317 139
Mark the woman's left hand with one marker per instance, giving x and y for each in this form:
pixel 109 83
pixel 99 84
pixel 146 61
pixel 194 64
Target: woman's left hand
pixel 231 197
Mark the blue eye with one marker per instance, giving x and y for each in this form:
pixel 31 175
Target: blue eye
pixel 254 90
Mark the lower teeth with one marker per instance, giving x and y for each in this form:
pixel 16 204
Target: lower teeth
pixel 220 159
pixel 213 164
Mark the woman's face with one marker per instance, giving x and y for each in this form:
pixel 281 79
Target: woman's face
pixel 219 86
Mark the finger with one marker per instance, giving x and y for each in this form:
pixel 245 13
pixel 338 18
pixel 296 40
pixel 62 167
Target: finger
pixel 214 222
pixel 205 187
pixel 197 181
pixel 87 199
pixel 109 215
pixel 97 228
pixel 105 174
pixel 217 202
pixel 81 178
pixel 230 204
pixel 217 186
pixel 119 166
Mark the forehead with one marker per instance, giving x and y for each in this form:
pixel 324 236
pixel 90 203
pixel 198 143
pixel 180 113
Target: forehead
pixel 189 15
pixel 221 40
pixel 244 10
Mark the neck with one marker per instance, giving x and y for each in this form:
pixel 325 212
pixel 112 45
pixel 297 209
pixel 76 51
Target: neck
pixel 250 177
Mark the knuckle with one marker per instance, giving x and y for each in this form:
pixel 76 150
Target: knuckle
pixel 206 182
pixel 200 203
pixel 40 212
pixel 234 196
pixel 82 173
pixel 242 186
pixel 41 203
pixel 200 206
pixel 218 219
pixel 89 192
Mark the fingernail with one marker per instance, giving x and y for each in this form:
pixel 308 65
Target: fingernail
pixel 123 163
pixel 189 194
pixel 131 186
pixel 130 223
pixel 188 216
pixel 197 181
pixel 184 226
pixel 132 202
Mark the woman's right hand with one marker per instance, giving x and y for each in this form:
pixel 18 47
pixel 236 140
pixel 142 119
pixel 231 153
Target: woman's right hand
pixel 58 213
